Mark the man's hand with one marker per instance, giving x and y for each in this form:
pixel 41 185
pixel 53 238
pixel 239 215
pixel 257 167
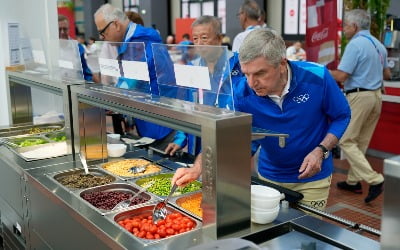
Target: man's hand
pixel 311 164
pixel 172 148
pixel 183 176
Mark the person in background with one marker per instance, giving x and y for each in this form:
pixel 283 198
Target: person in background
pixel 170 39
pixel 249 15
pixel 63 33
pixel 226 41
pixel 261 20
pixel 114 26
pixel 296 52
pixel 91 47
pixel 206 30
pixel 134 17
pixel 362 69
pixel 281 94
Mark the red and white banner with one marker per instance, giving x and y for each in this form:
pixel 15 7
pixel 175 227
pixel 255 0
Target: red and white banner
pixel 321 32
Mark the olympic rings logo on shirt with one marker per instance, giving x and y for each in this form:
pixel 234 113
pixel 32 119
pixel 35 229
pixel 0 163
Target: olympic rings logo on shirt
pixel 317 203
pixel 301 98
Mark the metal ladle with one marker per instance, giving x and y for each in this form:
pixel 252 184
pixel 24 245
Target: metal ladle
pixel 160 211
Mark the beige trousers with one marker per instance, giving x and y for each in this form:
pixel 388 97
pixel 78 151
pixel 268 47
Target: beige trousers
pixel 365 111
pixel 315 192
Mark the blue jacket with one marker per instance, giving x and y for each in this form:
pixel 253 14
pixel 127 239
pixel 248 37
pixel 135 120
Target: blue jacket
pixel 313 107
pixel 138 33
pixel 87 73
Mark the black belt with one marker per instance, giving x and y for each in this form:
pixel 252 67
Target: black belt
pixel 357 90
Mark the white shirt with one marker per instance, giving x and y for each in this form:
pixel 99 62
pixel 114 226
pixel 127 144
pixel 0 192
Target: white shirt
pixel 279 99
pixel 237 42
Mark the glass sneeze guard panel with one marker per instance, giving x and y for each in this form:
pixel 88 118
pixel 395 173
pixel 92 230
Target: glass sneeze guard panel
pixel 125 65
pixel 195 73
pixel 34 56
pixel 65 60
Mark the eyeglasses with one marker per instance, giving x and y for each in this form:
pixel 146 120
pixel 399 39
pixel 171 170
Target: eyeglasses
pixel 101 32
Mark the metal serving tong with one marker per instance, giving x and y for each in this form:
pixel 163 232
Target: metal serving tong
pixel 142 168
pixel 126 203
pixel 160 211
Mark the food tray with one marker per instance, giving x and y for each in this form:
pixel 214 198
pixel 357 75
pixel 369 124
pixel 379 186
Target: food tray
pixel 43 146
pixel 165 189
pixel 147 211
pixel 116 187
pixel 176 201
pixel 125 168
pixel 59 176
pixel 29 130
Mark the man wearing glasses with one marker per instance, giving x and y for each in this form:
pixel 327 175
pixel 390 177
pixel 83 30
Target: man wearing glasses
pixel 63 33
pixel 114 26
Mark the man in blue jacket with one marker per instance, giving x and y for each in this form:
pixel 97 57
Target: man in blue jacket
pixel 298 98
pixel 223 67
pixel 114 26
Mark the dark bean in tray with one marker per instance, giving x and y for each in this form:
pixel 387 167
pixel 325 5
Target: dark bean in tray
pixel 108 199
pixel 85 181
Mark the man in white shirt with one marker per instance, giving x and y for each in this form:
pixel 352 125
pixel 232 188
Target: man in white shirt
pixel 249 16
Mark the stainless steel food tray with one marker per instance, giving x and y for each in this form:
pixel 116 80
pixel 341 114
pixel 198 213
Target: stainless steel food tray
pixel 163 169
pixel 57 176
pixel 174 201
pixel 13 144
pixel 148 210
pixel 124 187
pixel 26 129
pixel 169 174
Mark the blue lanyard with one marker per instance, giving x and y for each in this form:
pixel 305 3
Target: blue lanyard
pixel 377 50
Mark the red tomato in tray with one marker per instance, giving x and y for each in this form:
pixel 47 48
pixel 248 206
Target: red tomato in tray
pixel 142 226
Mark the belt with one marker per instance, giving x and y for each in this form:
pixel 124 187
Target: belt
pixel 357 90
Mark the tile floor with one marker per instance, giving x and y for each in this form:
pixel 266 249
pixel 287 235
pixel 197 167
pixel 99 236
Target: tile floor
pixel 351 206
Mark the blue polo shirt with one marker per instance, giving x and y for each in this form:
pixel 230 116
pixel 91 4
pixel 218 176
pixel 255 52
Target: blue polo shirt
pixel 364 60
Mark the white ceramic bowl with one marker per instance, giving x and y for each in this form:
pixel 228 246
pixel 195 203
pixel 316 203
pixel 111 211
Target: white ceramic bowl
pixel 265 203
pixel 113 138
pixel 264 217
pixel 260 192
pixel 116 150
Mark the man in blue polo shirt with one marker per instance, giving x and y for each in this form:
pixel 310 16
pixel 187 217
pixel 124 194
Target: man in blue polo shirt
pixel 362 69
pixel 114 26
pixel 298 98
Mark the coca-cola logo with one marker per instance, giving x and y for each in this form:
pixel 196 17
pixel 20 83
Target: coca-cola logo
pixel 318 36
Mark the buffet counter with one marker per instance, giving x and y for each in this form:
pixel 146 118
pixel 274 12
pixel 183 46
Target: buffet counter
pixel 39 211
pixel 55 217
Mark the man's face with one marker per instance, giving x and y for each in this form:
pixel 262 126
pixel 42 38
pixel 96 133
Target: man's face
pixel 264 78
pixel 63 29
pixel 349 29
pixel 108 31
pixel 204 34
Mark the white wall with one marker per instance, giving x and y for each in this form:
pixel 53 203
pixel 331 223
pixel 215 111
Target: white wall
pixel 37 19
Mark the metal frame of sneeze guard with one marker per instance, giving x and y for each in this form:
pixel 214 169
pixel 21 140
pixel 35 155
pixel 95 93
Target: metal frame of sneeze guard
pixel 65 61
pixel 226 140
pixel 124 65
pixel 195 73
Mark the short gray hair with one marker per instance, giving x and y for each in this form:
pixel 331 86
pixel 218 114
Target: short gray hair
pixel 251 9
pixel 359 17
pixel 214 21
pixel 111 13
pixel 263 42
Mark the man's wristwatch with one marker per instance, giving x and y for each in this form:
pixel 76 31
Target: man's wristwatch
pixel 325 151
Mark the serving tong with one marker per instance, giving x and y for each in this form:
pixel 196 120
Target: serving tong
pixel 127 202
pixel 160 209
pixel 142 168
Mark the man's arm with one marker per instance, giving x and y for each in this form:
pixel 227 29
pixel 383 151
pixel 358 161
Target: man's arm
pixel 339 76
